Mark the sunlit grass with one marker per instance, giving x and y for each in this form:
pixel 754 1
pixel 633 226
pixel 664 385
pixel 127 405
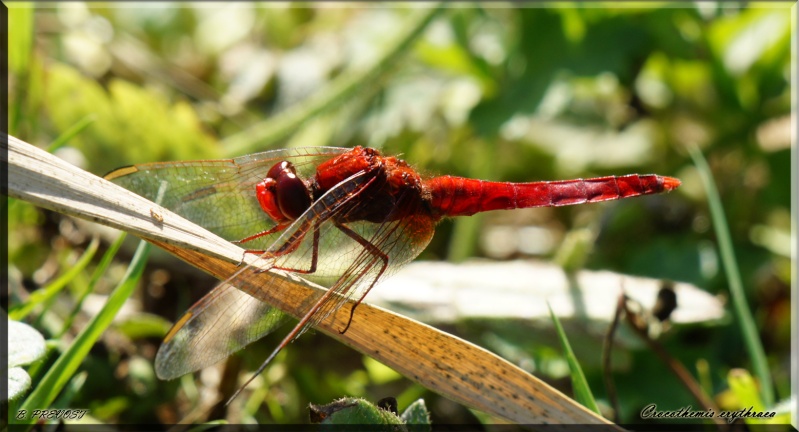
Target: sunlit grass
pixel 749 332
pixel 68 363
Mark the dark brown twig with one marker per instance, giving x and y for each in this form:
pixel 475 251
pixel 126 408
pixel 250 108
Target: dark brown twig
pixel 607 347
pixel 676 367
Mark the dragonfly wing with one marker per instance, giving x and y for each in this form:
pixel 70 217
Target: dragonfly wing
pixel 232 316
pixel 218 325
pixel 218 195
pixel 344 264
pixel 398 241
pixel 228 319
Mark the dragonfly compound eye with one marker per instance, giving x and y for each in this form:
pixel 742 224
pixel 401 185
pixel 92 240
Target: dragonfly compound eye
pixel 292 195
pixel 283 195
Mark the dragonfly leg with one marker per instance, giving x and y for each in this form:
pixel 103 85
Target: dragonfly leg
pixel 297 237
pixel 374 251
pixel 292 244
pixel 277 228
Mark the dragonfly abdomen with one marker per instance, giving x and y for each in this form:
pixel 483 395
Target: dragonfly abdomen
pixel 457 196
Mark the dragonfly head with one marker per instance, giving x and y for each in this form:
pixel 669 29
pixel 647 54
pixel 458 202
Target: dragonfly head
pixel 282 194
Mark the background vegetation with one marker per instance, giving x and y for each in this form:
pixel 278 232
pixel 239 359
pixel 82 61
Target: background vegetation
pixel 496 92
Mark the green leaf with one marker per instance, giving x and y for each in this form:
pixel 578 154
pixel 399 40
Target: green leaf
pixel 417 414
pixel 25 346
pixel 352 411
pixel 744 388
pixel 18 382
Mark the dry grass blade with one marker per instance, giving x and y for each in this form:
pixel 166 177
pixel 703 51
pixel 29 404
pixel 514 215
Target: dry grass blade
pixel 445 364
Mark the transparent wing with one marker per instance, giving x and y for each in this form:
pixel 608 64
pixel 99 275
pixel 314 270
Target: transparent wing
pixel 219 195
pixel 221 323
pixel 355 255
pixel 396 243
pixel 228 319
pixel 231 316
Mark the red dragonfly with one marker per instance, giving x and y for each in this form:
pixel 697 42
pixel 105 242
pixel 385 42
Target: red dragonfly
pixel 344 218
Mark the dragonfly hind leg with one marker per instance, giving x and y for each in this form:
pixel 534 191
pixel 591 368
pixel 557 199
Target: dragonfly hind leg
pixel 372 249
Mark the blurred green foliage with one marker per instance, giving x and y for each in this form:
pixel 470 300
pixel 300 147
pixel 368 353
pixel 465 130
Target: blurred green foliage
pixel 131 122
pixel 504 93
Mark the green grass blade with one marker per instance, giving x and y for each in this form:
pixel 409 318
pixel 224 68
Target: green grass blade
pixel 208 425
pixel 67 364
pixel 47 293
pixel 346 85
pixel 98 272
pixel 71 132
pixel 71 390
pixel 748 328
pixel 580 387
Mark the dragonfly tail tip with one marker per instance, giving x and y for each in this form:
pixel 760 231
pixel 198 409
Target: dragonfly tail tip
pixel 671 183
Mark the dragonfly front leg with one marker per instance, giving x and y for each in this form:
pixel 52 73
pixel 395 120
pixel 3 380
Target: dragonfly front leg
pixel 277 228
pixel 373 250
